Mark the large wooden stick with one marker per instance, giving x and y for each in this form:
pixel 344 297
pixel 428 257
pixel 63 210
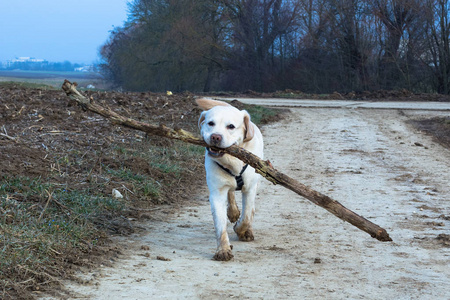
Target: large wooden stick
pixel 262 167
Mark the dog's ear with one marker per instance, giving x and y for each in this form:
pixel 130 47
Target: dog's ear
pixel 201 120
pixel 249 127
pixel 207 104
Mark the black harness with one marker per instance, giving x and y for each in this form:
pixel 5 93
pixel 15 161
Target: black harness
pixel 239 179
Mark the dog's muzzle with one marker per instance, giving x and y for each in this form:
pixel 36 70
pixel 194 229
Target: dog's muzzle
pixel 214 154
pixel 215 140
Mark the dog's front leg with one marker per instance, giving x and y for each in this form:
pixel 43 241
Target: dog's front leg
pixel 218 200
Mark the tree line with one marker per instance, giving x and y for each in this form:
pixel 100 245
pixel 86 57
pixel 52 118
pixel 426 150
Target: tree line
pixel 318 46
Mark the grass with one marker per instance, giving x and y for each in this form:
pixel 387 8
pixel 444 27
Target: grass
pixel 44 224
pixel 49 224
pixel 299 95
pixel 49 79
pixel 41 224
pixel 260 114
pixel 36 75
pixel 23 84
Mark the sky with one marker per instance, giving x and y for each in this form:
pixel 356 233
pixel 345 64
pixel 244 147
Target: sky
pixel 58 30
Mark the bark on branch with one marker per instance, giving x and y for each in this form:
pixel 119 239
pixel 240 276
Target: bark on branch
pixel 264 168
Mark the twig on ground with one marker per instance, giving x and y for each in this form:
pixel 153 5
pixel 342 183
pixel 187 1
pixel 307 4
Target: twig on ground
pixel 46 205
pixel 5 134
pixel 8 137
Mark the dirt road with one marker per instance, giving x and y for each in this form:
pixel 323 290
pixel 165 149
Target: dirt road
pixel 369 160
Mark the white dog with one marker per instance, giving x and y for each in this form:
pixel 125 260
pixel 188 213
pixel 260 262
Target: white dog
pixel 223 125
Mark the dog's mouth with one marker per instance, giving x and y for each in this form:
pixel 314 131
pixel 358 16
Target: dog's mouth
pixel 213 153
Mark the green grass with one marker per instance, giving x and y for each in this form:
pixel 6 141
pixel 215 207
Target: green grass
pixel 260 113
pixel 170 161
pixel 23 84
pixel 285 95
pixel 45 222
pixel 24 74
pixel 125 174
pixel 41 223
pixel 299 95
pixel 151 190
pixel 49 79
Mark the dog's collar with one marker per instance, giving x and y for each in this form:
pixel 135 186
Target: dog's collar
pixel 239 179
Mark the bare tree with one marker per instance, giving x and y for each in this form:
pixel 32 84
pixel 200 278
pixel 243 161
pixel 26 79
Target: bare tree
pixel 256 26
pixel 167 45
pixel 349 41
pixel 310 45
pixel 396 16
pixel 438 25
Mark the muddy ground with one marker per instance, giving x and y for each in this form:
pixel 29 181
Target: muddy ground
pixel 47 139
pixel 372 161
pixel 38 123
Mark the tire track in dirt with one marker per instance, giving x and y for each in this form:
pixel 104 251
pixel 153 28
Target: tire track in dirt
pixel 365 159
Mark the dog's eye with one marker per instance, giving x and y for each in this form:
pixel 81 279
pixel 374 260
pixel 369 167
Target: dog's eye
pixel 231 126
pixel 211 123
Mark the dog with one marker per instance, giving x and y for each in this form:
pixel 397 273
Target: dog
pixel 222 125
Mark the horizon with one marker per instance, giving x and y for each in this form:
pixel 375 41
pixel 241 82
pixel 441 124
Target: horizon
pixel 57 33
pixel 46 60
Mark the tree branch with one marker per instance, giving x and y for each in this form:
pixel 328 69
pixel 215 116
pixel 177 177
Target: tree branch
pixel 262 167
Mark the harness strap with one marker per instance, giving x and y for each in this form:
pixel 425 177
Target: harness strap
pixel 239 179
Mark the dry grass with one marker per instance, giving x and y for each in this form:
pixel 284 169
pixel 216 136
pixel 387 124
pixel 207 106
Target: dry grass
pixel 58 167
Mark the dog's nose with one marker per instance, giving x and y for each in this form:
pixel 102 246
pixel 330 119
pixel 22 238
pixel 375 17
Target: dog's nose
pixel 216 138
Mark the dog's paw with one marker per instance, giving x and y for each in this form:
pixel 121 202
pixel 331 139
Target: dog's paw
pixel 246 236
pixel 233 214
pixel 223 255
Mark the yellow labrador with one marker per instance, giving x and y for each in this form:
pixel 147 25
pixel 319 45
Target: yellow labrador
pixel 223 125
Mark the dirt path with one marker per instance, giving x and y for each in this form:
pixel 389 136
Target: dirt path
pixel 367 160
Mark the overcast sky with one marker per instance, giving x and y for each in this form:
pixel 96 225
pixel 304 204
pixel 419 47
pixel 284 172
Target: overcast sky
pixel 58 30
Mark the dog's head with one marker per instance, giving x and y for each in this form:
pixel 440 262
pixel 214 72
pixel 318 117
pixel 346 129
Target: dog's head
pixel 223 125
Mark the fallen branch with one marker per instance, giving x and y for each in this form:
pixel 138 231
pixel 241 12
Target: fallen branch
pixel 262 167
pixel 8 137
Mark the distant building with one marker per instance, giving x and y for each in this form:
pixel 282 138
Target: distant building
pixel 85 69
pixel 28 59
pixel 24 59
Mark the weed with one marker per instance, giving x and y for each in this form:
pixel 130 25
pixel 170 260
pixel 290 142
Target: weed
pixel 125 174
pixel 23 188
pixel 33 235
pixel 151 190
pixel 260 114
